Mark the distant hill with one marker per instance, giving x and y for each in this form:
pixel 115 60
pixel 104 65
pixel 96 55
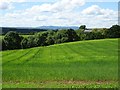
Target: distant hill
pixel 21 30
pixel 28 30
pixel 58 27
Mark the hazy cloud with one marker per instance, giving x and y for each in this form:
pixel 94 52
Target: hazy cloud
pixel 61 12
pixel 5 5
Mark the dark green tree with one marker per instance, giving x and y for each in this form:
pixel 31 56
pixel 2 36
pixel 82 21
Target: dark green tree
pixel 12 40
pixel 114 31
pixel 82 27
pixel 24 43
pixel 30 42
pixel 50 40
pixel 40 39
pixel 61 36
pixel 72 35
pixel 81 34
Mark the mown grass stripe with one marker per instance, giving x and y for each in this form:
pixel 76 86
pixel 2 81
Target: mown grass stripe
pixel 31 56
pixel 8 53
pixel 17 58
pixel 24 58
pixel 14 55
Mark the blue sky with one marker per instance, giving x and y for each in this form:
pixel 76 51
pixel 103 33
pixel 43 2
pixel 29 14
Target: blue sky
pixel 58 13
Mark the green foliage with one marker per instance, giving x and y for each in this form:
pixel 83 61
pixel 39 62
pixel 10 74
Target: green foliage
pixel 40 38
pixel 96 34
pixel 50 40
pixel 12 40
pixel 24 43
pixel 4 47
pixel 58 41
pixel 88 36
pixel 66 36
pixel 72 36
pixel 30 41
pixel 114 31
pixel 61 36
pixel 82 27
pixel 81 34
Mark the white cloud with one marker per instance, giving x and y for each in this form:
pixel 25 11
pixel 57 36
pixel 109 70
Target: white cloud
pixel 98 16
pixel 40 8
pixel 13 1
pixel 67 5
pixel 40 18
pixel 96 10
pixel 61 13
pixel 61 5
pixel 5 5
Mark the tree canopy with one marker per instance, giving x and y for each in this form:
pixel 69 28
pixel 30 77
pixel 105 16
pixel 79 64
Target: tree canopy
pixel 12 40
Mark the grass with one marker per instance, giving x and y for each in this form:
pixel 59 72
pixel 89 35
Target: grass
pixel 62 84
pixel 77 64
pixel 25 35
pixel 1 37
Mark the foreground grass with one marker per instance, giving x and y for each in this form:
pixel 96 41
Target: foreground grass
pixel 63 84
pixel 90 61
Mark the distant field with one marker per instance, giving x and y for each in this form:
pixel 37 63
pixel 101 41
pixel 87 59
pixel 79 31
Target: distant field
pixel 25 35
pixel 91 64
pixel 2 36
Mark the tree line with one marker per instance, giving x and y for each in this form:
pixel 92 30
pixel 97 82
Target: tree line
pixel 28 31
pixel 12 40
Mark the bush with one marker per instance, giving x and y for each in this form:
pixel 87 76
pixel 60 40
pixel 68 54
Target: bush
pixel 30 42
pixel 40 39
pixel 114 31
pixel 82 27
pixel 12 40
pixel 88 36
pixel 96 34
pixel 58 41
pixel 66 36
pixel 72 35
pixel 24 43
pixel 50 40
pixel 81 34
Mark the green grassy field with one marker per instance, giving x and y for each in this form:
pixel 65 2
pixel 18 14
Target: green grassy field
pixel 92 64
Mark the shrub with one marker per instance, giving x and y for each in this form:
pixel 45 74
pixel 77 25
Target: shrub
pixel 12 40
pixel 81 34
pixel 24 43
pixel 114 31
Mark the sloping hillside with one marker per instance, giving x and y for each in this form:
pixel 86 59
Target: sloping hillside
pixel 77 64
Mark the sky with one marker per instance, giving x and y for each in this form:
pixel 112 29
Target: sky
pixel 35 13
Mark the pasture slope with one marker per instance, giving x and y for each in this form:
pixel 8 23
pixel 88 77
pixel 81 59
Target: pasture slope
pixel 82 64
